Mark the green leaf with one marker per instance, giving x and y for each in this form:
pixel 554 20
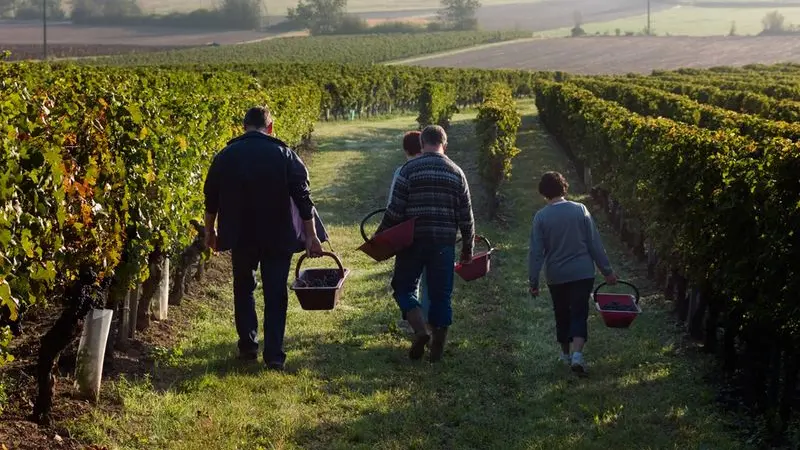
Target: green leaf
pixel 135 112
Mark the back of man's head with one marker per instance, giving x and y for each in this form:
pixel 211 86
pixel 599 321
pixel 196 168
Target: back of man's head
pixel 433 136
pixel 257 118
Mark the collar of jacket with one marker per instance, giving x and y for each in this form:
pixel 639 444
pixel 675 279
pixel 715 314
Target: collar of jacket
pixel 258 135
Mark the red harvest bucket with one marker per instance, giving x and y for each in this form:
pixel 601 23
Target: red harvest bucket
pixel 319 289
pixel 480 265
pixel 617 310
pixel 389 242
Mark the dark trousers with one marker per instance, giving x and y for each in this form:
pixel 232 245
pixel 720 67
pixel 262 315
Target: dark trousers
pixel 437 262
pixel 571 306
pixel 274 275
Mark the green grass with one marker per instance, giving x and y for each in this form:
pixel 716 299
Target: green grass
pixel 690 21
pixel 351 385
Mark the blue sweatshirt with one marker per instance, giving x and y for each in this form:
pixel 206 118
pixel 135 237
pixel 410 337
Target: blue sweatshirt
pixel 565 240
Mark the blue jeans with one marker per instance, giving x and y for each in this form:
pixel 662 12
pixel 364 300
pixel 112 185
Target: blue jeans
pixel 424 298
pixel 436 261
pixel 274 275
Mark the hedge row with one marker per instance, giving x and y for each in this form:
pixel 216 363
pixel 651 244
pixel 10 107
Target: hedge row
pixel 496 127
pixel 437 104
pixel 739 101
pixel 378 90
pixel 654 102
pixel 721 208
pixel 779 89
pixel 101 168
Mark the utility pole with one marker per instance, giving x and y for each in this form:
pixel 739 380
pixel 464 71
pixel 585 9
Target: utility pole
pixel 649 30
pixel 44 28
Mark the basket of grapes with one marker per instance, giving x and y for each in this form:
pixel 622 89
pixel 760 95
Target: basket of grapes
pixel 319 289
pixel 617 310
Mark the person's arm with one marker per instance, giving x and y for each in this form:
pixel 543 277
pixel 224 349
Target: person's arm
pixel 299 191
pixel 466 222
pixel 211 193
pixel 396 211
pixel 595 245
pixel 391 187
pixel 536 252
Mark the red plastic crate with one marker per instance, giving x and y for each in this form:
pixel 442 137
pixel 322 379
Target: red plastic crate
pixel 617 319
pixel 314 298
pixel 389 242
pixel 480 265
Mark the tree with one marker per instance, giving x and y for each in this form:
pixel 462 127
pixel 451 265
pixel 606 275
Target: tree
pixel 773 23
pixel 460 14
pixel 577 17
pixel 32 9
pixel 88 9
pixel 319 16
pixel 241 13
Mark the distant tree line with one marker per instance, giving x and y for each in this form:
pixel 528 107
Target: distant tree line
pixel 30 9
pixel 330 17
pixel 230 14
pixel 318 16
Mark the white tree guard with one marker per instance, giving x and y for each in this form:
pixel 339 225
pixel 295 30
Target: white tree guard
pixel 92 352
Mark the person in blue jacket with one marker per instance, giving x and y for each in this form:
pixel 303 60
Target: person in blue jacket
pixel 565 240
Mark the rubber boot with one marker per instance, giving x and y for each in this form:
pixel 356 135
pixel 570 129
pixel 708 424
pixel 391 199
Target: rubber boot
pixel 437 343
pixel 421 336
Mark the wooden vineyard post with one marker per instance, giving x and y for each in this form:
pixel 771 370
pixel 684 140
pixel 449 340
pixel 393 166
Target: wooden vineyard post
pixel 125 321
pixel 587 179
pixel 133 312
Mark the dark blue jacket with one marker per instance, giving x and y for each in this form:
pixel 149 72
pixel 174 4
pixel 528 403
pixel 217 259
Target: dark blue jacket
pixel 249 185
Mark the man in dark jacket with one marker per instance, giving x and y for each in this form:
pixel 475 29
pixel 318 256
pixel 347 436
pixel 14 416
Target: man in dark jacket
pixel 248 193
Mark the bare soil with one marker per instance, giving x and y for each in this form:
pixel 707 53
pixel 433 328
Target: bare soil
pixel 619 55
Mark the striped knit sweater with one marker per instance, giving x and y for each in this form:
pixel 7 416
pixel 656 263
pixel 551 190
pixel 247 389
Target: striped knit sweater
pixel 433 189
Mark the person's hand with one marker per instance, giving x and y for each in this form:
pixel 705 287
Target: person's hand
pixel 211 239
pixel 313 247
pixel 466 258
pixel 611 279
pixel 534 291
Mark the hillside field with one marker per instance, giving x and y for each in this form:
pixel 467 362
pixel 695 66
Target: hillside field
pixel 598 55
pixel 690 21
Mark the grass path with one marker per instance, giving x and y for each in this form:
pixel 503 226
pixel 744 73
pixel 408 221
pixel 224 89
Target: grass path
pixel 429 56
pixel 350 385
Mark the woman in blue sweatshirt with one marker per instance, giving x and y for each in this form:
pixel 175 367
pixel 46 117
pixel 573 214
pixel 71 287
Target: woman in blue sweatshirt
pixel 565 240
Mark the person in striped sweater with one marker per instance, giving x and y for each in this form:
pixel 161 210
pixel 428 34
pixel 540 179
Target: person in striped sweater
pixel 435 190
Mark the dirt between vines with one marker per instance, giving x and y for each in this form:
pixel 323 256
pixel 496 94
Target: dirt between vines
pixel 17 433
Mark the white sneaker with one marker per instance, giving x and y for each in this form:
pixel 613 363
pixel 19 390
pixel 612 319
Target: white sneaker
pixel 578 364
pixel 565 359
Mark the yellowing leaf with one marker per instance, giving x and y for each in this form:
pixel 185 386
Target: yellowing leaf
pixel 8 300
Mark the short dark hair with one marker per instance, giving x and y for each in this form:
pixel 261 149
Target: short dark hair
pixel 412 144
pixel 433 135
pixel 257 117
pixel 553 185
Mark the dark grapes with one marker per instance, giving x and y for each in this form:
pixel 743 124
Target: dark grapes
pixel 617 306
pixel 320 280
